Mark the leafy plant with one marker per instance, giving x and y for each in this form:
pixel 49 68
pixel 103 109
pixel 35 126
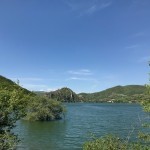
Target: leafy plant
pixel 44 109
pixel 12 108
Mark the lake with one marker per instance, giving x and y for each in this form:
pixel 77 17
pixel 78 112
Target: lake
pixel 82 121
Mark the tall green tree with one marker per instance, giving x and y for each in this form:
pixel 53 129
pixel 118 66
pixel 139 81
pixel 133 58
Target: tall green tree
pixel 12 108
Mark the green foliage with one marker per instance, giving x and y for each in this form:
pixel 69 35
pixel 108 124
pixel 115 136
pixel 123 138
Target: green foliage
pixel 145 137
pixel 7 84
pixel 64 95
pixel 44 109
pixel 130 93
pixel 8 141
pixel 146 105
pixel 12 108
pixel 105 143
pixel 13 102
pixel 110 142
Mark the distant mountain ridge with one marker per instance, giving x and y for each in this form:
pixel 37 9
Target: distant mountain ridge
pixel 127 93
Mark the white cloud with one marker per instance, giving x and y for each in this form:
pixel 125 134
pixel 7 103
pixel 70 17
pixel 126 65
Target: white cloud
pixel 53 89
pixel 132 46
pixel 75 78
pixel 79 78
pixel 40 87
pixel 105 5
pixel 84 72
pixel 92 9
pixel 87 7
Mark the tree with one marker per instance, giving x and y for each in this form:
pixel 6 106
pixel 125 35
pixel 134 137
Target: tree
pixel 44 109
pixel 12 108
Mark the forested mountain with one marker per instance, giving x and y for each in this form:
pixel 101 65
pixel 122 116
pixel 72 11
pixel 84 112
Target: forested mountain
pixel 129 93
pixel 64 95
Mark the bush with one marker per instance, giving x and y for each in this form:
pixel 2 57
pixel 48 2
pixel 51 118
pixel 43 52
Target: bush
pixel 110 142
pixel 44 109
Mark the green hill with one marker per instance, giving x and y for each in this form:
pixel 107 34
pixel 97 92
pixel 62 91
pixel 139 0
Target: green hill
pixel 129 93
pixel 64 95
pixel 9 85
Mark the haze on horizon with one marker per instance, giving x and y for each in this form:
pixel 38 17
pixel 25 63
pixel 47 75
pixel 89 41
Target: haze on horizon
pixel 86 45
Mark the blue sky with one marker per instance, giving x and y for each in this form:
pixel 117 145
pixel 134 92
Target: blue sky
pixel 86 45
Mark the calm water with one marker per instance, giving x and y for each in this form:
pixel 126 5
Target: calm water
pixel 81 121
